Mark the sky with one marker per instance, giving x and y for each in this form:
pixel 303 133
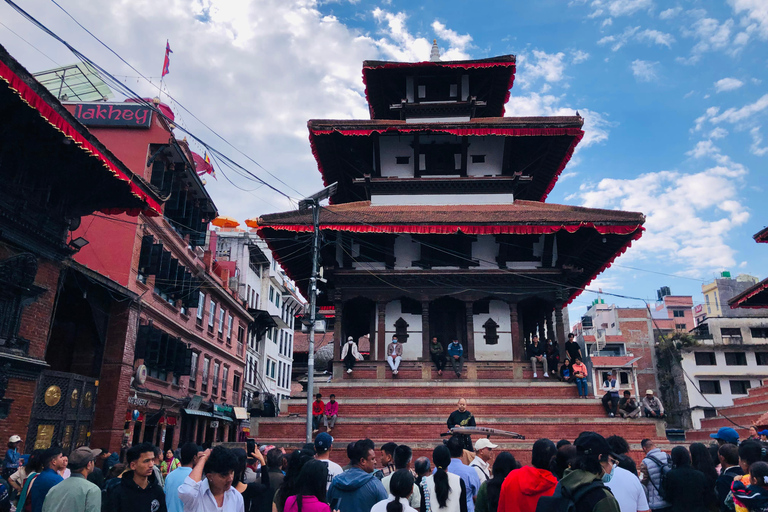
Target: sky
pixel 673 94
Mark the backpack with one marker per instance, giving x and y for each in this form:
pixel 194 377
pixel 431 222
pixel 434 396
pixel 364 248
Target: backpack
pixel 665 468
pixel 564 501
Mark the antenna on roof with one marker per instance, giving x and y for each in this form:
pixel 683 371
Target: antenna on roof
pixel 434 55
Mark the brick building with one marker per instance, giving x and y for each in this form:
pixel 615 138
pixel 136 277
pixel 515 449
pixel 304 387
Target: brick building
pixel 54 172
pixel 173 363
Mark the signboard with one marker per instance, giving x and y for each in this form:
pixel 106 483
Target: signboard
pixel 194 403
pixel 222 408
pixel 214 424
pixel 142 402
pixel 698 309
pixel 114 115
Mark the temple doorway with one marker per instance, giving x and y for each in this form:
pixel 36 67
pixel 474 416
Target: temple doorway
pixel 358 320
pixel 448 320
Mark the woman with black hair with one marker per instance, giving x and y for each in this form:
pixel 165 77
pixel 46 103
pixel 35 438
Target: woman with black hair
pixel 253 493
pixel 750 451
pixel 701 460
pixel 443 491
pixel 686 489
pixel 296 462
pixel 490 490
pixel 400 488
pixel 310 489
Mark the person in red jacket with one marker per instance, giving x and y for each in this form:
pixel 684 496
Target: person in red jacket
pixel 318 412
pixel 523 487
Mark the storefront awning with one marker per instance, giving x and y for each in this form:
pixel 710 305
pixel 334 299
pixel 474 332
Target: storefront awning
pixel 223 418
pixel 193 412
pixel 240 413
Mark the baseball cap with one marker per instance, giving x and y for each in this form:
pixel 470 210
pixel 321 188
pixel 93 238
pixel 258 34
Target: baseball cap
pixel 80 457
pixel 14 439
pixel 726 434
pixel 484 443
pixel 648 391
pixel 350 338
pixel 592 443
pixel 763 433
pixel 323 441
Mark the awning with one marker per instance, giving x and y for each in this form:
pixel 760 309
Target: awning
pixel 223 418
pixel 193 412
pixel 240 413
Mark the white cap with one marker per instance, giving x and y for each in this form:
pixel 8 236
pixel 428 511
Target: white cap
pixel 648 391
pixel 350 338
pixel 484 443
pixel 14 439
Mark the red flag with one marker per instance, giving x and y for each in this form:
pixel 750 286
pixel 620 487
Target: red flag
pixel 167 60
pixel 203 165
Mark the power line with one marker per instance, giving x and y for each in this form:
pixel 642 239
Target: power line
pixel 30 44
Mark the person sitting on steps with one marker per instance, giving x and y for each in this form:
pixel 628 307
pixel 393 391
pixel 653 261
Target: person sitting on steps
pixel 437 354
pixel 350 355
pixel 394 355
pixel 456 353
pixel 537 353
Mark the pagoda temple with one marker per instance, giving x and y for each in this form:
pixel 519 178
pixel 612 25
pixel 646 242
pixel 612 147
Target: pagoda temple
pixel 439 225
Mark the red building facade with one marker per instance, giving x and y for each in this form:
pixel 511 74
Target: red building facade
pixel 177 367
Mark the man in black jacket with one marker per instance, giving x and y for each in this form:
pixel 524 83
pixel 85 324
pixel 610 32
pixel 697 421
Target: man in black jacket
pixel 537 353
pixel 138 490
pixel 729 462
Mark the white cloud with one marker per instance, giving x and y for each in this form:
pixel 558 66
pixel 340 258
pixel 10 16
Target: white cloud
pixel 458 42
pixel 644 70
pixel 607 22
pixel 547 66
pixel 728 84
pixel 756 10
pixel 400 44
pixel 649 36
pixel 618 8
pixel 712 35
pixel 670 13
pixel 578 56
pixel 735 115
pixel 718 133
pixel 757 147
pixel 688 216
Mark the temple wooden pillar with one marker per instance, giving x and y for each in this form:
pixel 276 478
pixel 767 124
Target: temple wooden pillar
pixel 338 332
pixel 470 331
pixel 560 327
pixel 540 326
pixel 381 331
pixel 550 327
pixel 425 341
pixel 517 333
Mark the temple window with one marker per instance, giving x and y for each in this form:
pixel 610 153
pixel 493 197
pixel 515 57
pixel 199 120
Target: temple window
pixel 491 336
pixel 401 330
pixel 478 159
pixel 402 160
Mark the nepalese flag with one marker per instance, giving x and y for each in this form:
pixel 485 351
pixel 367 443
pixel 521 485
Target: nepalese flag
pixel 167 60
pixel 203 165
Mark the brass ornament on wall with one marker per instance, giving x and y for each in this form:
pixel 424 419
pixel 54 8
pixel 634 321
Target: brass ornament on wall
pixel 52 395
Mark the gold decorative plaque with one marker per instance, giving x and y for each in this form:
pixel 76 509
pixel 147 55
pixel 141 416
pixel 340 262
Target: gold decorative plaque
pixel 82 436
pixel 74 397
pixel 52 395
pixel 88 400
pixel 66 442
pixel 44 435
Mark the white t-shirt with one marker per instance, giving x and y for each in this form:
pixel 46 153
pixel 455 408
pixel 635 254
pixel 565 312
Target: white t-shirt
pixel 333 470
pixel 628 491
pixel 382 505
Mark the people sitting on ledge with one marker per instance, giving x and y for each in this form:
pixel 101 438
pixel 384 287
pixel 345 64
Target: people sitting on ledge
pixel 652 407
pixel 537 354
pixel 580 376
pixel 350 355
pixel 437 354
pixel 394 355
pixel 628 407
pixel 611 397
pixel 553 355
pixel 566 371
pixel 456 353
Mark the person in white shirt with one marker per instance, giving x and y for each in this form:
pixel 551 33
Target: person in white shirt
pixel 625 486
pixel 401 486
pixel 214 493
pixel 402 458
pixel 481 462
pixel 323 445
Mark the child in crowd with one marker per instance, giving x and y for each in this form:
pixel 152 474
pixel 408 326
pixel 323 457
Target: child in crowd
pixel 754 496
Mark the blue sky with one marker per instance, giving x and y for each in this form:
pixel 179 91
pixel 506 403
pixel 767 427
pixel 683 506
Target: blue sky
pixel 673 93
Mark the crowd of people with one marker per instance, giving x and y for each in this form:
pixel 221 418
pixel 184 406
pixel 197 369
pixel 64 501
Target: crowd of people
pixel 590 474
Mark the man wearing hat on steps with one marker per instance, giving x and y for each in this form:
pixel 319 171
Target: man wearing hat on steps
pixel 350 355
pixel 726 435
pixel 481 463
pixel 76 493
pixel 652 407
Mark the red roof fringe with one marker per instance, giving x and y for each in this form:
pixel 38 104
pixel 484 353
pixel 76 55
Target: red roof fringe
pixel 53 118
pixel 748 294
pixel 444 229
pixel 514 132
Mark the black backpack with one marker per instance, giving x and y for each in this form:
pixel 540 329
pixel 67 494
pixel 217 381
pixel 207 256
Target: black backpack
pixel 564 501
pixel 665 468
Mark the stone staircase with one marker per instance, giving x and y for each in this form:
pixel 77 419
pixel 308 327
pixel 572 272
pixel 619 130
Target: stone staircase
pixel 414 411
pixel 745 411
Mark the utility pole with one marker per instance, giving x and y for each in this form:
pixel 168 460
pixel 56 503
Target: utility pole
pixel 313 202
